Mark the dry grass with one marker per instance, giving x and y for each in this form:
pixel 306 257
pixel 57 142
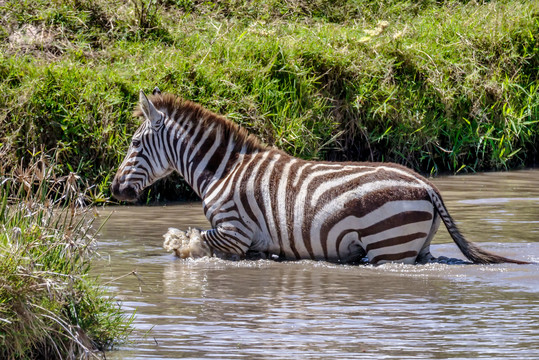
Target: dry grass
pixel 50 308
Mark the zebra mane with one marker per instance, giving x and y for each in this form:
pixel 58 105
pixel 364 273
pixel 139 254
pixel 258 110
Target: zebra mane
pixel 171 104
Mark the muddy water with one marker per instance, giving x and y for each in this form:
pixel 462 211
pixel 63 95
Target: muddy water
pixel 299 310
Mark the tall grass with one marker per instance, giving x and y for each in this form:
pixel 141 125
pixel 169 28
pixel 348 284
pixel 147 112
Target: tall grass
pixel 438 86
pixel 50 307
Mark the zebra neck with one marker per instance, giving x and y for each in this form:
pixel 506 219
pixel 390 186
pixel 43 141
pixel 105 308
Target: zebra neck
pixel 204 157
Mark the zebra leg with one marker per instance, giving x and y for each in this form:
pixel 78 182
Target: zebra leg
pixel 424 255
pixel 186 243
pixel 227 239
pixel 222 242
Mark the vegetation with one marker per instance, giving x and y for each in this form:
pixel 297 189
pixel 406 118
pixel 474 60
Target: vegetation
pixel 435 85
pixel 50 307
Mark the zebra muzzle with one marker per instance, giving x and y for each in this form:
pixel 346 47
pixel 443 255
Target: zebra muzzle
pixel 123 192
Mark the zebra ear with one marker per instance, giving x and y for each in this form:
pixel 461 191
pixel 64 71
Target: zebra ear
pixel 149 110
pixel 156 91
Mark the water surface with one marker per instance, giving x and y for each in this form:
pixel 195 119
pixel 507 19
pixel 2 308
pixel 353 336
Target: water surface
pixel 210 308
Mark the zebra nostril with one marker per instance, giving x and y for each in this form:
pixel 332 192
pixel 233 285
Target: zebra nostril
pixel 129 194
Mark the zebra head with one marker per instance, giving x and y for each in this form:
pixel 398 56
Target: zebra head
pixel 145 161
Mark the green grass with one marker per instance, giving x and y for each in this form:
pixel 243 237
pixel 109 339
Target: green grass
pixel 439 86
pixel 50 307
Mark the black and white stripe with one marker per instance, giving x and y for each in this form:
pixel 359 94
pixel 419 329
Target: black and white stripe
pixel 258 198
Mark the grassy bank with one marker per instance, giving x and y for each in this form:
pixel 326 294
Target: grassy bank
pixel 438 86
pixel 50 307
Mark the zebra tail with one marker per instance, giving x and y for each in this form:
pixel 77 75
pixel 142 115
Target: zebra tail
pixel 473 252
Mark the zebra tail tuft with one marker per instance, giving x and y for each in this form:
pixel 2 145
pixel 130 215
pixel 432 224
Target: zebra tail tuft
pixel 473 252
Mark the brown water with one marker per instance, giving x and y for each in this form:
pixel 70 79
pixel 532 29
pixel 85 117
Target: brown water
pixel 315 310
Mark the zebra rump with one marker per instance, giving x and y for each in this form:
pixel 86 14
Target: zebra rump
pixel 259 199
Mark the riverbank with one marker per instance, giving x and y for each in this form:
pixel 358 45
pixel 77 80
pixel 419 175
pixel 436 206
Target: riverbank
pixel 437 86
pixel 50 307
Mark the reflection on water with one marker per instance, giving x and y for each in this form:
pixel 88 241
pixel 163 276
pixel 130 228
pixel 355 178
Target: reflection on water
pixel 262 309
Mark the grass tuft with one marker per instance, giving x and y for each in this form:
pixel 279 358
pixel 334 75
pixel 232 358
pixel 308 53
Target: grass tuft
pixel 50 307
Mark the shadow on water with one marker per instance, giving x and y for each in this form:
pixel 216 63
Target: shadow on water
pixel 262 309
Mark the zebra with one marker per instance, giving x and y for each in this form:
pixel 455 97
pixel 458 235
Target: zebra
pixel 259 199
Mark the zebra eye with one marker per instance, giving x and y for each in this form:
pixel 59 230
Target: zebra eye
pixel 136 142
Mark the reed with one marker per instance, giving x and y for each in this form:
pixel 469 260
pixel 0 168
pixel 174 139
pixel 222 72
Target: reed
pixel 50 306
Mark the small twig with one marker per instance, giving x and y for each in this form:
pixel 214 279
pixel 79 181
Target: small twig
pixel 133 272
pixel 140 281
pixel 441 148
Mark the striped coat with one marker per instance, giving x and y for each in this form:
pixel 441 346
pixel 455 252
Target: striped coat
pixel 260 199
